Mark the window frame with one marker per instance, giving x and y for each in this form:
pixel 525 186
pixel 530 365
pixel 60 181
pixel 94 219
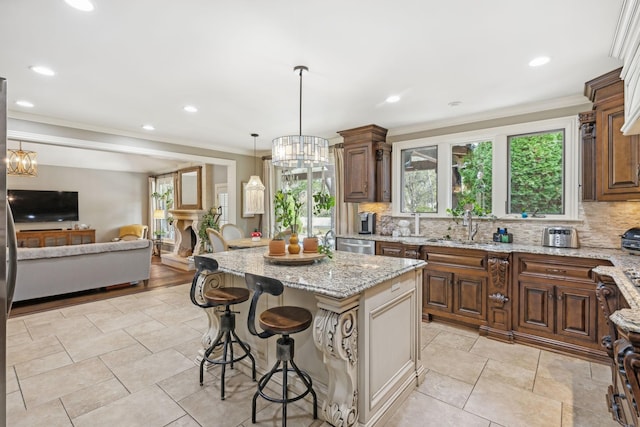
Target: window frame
pixel 498 137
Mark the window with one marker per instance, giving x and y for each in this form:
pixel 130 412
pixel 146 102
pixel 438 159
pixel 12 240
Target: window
pixel 500 171
pixel 420 179
pixel 536 172
pixel 163 200
pixel 471 177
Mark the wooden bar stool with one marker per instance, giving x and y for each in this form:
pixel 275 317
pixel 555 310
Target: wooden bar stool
pixel 283 320
pixel 226 336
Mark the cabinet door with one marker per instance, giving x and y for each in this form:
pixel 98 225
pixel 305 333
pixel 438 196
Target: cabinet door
pixel 437 293
pixel 536 306
pixel 359 173
pixel 470 296
pixel 383 176
pixel 619 159
pixel 393 249
pixel 576 313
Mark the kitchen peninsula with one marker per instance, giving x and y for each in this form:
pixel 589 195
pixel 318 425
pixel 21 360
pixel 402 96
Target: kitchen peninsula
pixel 363 351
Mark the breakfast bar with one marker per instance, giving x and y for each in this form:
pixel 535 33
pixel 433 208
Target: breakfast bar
pixel 363 350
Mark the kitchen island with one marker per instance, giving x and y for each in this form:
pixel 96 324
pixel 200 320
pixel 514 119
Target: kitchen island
pixel 363 350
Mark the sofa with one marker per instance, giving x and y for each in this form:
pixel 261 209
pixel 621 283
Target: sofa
pixel 56 270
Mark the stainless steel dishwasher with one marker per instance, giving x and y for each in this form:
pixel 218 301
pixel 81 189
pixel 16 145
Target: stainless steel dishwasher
pixel 358 246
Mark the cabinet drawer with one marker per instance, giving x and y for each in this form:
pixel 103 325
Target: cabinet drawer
pixel 466 260
pixel 556 270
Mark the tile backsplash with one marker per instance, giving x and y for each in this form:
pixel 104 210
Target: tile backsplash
pixel 600 224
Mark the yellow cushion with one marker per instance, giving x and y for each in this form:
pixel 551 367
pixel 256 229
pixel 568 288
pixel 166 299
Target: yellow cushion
pixel 133 229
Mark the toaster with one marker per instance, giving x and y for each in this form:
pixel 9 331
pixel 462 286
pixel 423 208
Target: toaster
pixel 630 241
pixel 560 237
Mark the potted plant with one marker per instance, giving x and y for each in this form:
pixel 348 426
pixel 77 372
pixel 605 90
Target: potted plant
pixel 287 215
pixel 209 220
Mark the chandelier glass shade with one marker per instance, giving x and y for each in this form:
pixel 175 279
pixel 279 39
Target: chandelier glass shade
pixel 21 162
pixel 254 190
pixel 300 151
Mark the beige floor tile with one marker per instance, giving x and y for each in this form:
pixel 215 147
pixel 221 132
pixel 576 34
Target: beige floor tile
pixel 454 340
pixel 16 326
pixel 455 363
pixel 12 380
pixel 201 324
pixel 88 308
pixel 185 421
pixel 207 409
pixel 574 416
pixel 186 383
pixel 96 344
pixel 427 333
pixel 513 406
pixel 71 327
pixel 456 329
pixel 144 328
pixel 447 389
pixel 175 315
pixel 15 404
pixel 425 411
pixel 554 365
pixel 576 391
pixel 149 407
pixel 125 355
pixel 62 381
pixel 151 369
pixel 51 414
pixel 168 337
pixel 111 321
pixel 601 372
pixel 88 399
pixel 299 414
pixel 190 348
pixel 516 354
pixel 135 302
pixel 508 373
pixel 33 350
pixel 20 338
pixel 43 364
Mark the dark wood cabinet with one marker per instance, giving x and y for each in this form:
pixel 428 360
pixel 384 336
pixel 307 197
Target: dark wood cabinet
pixel 455 284
pixel 611 160
pixel 397 249
pixel 557 304
pixel 37 239
pixel 367 165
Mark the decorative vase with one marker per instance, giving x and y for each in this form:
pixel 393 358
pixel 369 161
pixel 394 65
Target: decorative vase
pixel 276 247
pixel 310 245
pixel 294 246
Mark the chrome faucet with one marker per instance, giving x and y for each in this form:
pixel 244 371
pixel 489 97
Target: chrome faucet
pixel 467 220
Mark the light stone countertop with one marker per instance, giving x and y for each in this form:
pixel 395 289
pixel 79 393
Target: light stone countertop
pixel 627 319
pixel 345 275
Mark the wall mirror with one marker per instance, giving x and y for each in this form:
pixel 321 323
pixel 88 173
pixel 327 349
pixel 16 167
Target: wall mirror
pixel 189 188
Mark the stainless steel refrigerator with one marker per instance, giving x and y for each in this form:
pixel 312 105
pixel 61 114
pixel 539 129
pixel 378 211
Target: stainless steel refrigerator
pixel 8 249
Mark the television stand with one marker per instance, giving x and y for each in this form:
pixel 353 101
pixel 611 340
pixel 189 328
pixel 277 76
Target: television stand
pixel 55 237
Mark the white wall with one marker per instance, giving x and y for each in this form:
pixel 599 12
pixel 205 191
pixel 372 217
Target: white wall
pixel 106 199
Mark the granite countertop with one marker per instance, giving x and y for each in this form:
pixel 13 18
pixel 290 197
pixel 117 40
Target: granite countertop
pixel 345 275
pixel 625 270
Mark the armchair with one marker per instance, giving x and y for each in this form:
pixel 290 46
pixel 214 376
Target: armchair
pixel 133 232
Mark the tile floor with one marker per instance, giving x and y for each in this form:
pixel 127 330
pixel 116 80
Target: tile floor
pixel 128 361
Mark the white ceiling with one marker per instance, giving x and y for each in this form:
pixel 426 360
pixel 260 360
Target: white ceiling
pixel 131 62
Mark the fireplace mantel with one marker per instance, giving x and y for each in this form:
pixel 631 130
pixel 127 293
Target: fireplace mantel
pixel 183 222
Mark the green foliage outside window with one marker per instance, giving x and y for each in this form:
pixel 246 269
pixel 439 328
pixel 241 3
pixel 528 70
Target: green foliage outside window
pixel 536 173
pixel 472 176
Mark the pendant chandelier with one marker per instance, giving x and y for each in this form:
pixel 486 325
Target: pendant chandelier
pixel 21 163
pixel 300 151
pixel 254 190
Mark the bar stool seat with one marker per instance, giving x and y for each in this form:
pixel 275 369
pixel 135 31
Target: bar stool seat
pixel 283 320
pixel 226 337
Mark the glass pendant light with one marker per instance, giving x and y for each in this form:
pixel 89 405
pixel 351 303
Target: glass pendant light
pixel 254 190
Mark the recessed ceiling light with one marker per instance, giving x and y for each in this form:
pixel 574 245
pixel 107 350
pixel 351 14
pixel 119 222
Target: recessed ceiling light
pixel 393 98
pixel 540 60
pixel 190 109
pixel 24 103
pixel 148 127
pixel 83 5
pixel 40 69
pixel 454 103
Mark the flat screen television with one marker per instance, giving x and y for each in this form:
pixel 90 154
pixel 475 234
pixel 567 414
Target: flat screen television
pixel 43 206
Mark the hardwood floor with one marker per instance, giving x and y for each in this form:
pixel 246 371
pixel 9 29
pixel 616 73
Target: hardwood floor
pixel 161 276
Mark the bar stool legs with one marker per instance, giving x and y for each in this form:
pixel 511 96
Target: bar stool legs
pixel 226 338
pixel 285 351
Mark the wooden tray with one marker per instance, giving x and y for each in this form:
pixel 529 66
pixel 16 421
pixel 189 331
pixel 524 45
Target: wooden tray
pixel 298 259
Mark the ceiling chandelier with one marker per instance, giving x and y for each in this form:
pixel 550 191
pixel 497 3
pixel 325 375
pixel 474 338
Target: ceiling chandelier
pixel 254 190
pixel 21 163
pixel 300 151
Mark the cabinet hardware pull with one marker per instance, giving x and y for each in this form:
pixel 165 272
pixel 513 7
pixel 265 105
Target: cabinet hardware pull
pixel 556 271
pixel 499 298
pixel 366 186
pixel 560 297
